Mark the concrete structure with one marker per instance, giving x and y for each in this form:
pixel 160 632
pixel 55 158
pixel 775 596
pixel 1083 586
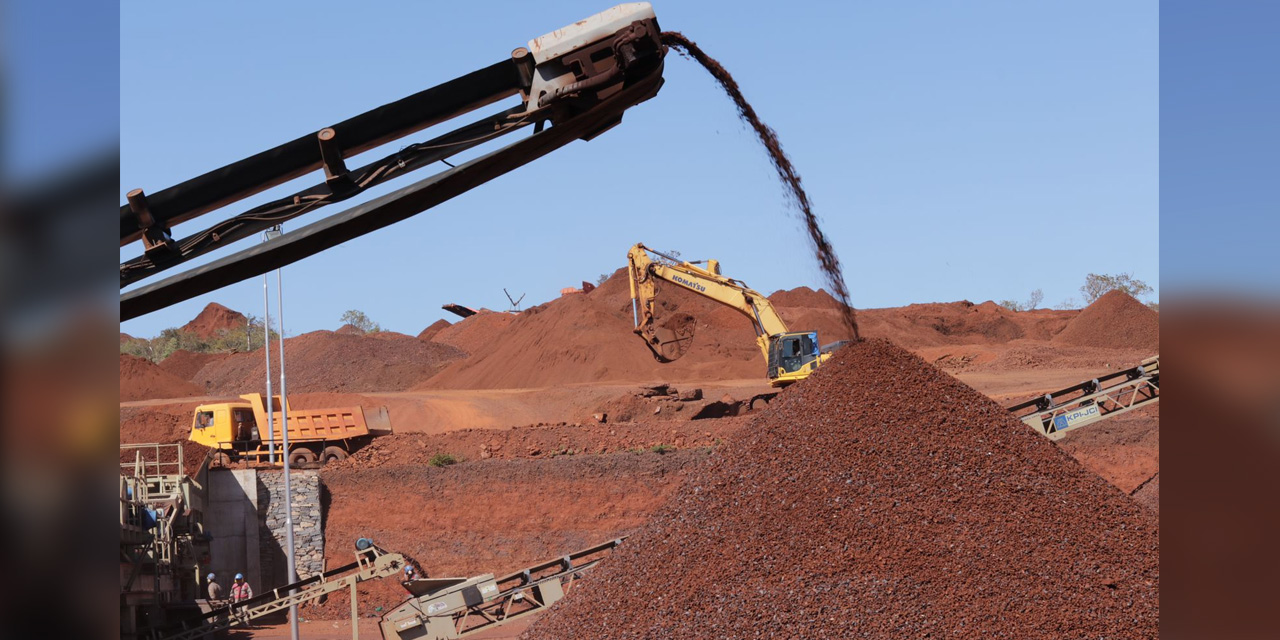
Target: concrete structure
pixel 245 516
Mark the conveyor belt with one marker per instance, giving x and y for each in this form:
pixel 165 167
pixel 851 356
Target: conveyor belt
pixel 458 608
pixel 579 79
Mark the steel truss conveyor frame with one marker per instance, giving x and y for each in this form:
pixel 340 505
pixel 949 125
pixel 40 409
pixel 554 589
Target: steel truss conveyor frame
pixel 1054 414
pixel 459 607
pixel 573 84
pixel 371 563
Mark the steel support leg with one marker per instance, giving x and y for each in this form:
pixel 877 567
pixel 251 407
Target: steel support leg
pixel 355 615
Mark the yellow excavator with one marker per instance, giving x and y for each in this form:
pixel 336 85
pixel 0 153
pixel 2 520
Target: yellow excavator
pixel 791 355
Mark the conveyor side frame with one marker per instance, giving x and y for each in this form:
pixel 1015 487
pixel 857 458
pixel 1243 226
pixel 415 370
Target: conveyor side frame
pixel 1054 414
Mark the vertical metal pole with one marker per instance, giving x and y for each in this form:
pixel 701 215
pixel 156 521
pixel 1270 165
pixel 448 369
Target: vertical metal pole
pixel 266 348
pixel 355 615
pixel 284 438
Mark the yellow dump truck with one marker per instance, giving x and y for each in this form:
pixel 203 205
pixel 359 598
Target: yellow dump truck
pixel 238 431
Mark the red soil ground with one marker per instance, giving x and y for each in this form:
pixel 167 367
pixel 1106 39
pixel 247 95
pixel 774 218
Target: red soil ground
pixel 1125 450
pixel 491 516
pixel 140 379
pixel 542 441
pixel 882 499
pixel 213 319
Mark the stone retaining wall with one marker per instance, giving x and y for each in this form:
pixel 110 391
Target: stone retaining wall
pixel 308 529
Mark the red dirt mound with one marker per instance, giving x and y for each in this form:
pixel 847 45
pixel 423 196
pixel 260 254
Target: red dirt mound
pixel 1116 320
pixel 328 361
pixel 140 379
pixel 124 337
pixel 435 328
pixel 880 498
pixel 213 320
pixel 804 297
pixel 589 338
pixel 390 335
pixel 349 330
pixel 474 333
pixel 940 323
pixel 185 364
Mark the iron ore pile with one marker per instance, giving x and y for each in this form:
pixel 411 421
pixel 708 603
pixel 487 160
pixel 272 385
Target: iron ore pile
pixel 880 498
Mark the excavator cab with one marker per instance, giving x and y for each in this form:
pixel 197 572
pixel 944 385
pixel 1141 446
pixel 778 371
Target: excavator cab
pixel 792 356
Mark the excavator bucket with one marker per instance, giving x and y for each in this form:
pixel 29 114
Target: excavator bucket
pixel 671 336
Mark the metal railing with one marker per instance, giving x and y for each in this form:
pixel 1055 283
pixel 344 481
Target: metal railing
pixel 156 466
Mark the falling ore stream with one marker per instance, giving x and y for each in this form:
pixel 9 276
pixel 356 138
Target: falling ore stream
pixel 825 253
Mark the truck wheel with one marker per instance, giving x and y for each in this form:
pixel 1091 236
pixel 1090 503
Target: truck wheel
pixel 301 456
pixel 333 454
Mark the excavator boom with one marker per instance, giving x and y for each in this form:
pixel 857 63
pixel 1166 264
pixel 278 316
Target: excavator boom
pixel 790 356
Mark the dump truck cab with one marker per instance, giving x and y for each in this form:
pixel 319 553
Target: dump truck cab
pixel 230 425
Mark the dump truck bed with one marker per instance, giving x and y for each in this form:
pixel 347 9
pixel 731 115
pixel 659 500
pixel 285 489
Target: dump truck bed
pixel 309 425
pixel 322 424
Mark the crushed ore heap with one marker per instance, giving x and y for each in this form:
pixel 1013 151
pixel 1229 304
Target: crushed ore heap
pixel 881 498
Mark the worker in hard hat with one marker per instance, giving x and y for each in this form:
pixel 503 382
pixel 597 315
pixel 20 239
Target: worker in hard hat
pixel 410 574
pixel 240 590
pixel 215 589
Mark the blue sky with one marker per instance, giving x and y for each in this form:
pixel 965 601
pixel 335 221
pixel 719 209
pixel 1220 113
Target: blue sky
pixel 954 150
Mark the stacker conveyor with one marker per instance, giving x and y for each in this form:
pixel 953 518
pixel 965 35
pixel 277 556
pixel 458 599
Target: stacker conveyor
pixel 571 84
pixel 1054 414
pixel 447 608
